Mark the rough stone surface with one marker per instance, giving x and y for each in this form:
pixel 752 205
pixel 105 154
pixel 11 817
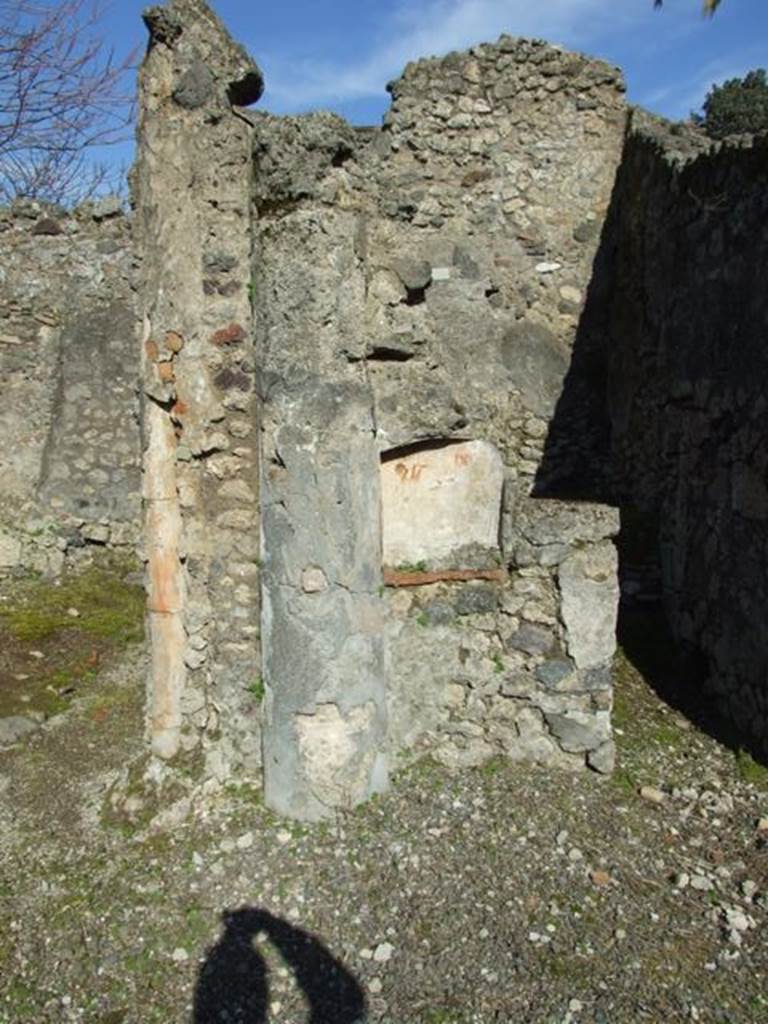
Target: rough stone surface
pixel 323 658
pixel 109 206
pixel 431 298
pixel 376 439
pixel 201 527
pixel 195 86
pixel 336 757
pixel 14 729
pixel 590 595
pixel 374 422
pixel 10 550
pixel 69 459
pixel 577 731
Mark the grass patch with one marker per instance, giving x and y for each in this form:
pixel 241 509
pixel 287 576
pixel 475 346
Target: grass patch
pixel 645 721
pixel 750 770
pixel 624 780
pixel 55 637
pixel 107 607
pixel 412 567
pixel 492 767
pixel 246 792
pixel 438 1015
pixel 256 689
pixel 424 772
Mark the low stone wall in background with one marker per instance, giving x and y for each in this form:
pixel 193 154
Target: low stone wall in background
pixel 70 454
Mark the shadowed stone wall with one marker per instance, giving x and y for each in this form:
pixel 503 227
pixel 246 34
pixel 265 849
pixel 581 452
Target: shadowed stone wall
pixel 687 322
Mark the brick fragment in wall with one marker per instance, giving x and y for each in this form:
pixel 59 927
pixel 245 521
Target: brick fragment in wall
pixel 232 334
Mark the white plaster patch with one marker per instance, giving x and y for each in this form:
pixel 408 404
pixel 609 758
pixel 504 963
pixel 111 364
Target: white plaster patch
pixel 10 550
pixel 437 501
pixel 589 591
pixel 441 273
pixel 336 752
pixel 313 580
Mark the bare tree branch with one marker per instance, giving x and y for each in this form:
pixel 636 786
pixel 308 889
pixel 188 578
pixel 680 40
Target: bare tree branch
pixel 61 93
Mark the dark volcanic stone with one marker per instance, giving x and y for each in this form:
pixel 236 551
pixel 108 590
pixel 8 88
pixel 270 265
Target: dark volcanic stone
pixel 195 86
pixel 476 601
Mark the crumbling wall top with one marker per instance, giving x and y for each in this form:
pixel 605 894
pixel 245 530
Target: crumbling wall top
pixel 212 62
pixel 681 143
pixel 525 65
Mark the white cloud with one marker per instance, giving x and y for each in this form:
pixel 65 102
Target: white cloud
pixel 434 27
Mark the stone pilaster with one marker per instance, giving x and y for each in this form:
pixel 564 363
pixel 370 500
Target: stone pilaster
pixel 191 192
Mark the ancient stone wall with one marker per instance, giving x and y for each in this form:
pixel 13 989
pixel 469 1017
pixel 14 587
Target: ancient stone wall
pixel 686 349
pixel 391 381
pixel 69 425
pixel 417 293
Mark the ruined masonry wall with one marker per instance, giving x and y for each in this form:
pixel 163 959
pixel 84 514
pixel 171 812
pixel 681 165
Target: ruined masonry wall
pixel 377 457
pixel 421 285
pixel 69 459
pixel 688 366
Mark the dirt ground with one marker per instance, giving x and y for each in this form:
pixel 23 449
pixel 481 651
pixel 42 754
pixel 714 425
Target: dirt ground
pixel 507 893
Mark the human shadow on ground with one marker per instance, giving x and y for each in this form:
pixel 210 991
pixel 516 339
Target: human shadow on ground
pixel 233 982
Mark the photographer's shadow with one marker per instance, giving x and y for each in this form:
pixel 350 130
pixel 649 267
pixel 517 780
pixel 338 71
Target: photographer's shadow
pixel 233 982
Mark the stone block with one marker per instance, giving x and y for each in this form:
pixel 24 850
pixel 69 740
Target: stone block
pixel 109 206
pixel 415 274
pixel 476 600
pixel 335 753
pixel 10 550
pixel 531 639
pixel 554 673
pixel 603 759
pixel 14 729
pixel 536 365
pixel 195 86
pixel 589 592
pixel 577 731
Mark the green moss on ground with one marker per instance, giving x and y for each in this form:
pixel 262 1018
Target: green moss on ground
pixel 107 607
pixel 55 636
pixel 750 770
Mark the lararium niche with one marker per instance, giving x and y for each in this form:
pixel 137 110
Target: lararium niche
pixel 441 507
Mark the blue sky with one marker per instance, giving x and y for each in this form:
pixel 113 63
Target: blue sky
pixel 339 54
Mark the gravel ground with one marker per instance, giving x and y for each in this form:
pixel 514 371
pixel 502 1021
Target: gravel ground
pixel 508 893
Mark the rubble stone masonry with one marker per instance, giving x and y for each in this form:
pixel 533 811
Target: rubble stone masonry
pixel 391 386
